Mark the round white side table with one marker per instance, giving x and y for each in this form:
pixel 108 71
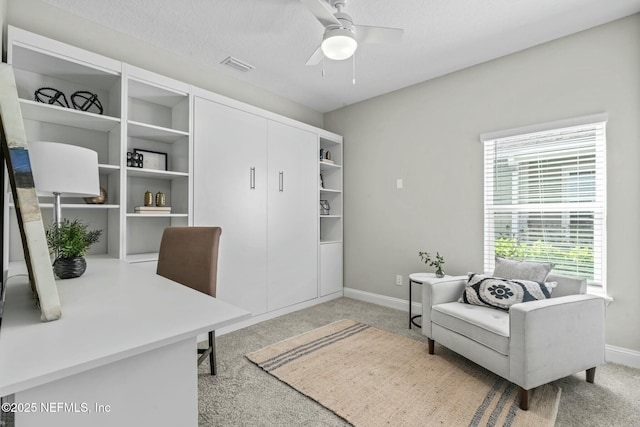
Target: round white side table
pixel 419 279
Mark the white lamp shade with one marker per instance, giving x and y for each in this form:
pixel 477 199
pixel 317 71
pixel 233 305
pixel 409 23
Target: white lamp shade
pixel 62 168
pixel 338 44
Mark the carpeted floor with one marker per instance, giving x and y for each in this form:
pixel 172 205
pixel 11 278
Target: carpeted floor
pixel 244 395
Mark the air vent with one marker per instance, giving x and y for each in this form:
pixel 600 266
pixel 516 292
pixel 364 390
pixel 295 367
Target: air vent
pixel 236 64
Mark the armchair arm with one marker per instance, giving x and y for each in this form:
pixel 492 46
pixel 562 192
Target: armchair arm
pixel 554 338
pixel 438 291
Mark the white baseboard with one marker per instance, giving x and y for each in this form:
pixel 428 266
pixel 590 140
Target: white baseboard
pixel 385 301
pixel 622 356
pixel 613 354
pixel 273 314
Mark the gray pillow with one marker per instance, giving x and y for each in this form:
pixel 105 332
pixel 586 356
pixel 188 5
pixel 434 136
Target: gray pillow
pixel 523 270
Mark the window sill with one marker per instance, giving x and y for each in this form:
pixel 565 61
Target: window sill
pixel 598 291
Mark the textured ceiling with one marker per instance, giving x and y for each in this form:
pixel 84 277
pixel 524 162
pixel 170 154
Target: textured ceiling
pixel 278 36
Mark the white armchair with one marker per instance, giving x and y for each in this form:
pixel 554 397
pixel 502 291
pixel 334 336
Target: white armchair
pixel 532 344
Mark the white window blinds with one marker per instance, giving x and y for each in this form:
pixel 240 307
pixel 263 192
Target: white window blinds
pixel 545 197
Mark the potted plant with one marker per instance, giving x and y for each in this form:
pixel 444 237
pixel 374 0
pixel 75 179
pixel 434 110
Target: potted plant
pixel 69 242
pixel 436 262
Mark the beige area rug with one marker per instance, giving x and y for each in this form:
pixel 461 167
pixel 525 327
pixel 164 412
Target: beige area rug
pixel 371 377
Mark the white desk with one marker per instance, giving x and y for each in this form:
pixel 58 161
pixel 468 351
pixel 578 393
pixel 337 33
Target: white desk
pixel 127 339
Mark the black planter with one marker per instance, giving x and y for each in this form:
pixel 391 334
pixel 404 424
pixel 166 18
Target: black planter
pixel 68 268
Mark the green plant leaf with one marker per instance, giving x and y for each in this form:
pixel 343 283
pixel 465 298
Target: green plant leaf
pixel 71 239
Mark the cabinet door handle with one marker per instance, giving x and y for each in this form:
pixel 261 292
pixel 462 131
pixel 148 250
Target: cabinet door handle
pixel 281 181
pixel 252 178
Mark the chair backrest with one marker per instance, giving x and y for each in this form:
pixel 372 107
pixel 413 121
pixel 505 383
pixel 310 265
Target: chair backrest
pixel 567 285
pixel 189 255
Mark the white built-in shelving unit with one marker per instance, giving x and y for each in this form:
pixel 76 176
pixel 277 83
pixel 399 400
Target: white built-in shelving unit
pixel 141 110
pixel 331 225
pixel 257 174
pixel 331 190
pixel 158 120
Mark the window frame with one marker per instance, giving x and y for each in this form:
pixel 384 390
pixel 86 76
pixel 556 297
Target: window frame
pixel 599 205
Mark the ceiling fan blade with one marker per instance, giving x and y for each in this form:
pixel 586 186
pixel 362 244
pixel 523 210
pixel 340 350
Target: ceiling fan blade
pixel 316 57
pixel 321 11
pixel 367 34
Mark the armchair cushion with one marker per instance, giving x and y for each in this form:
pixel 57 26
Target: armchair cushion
pixel 484 325
pixel 523 270
pixel 502 293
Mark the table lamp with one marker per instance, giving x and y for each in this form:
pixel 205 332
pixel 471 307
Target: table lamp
pixel 63 170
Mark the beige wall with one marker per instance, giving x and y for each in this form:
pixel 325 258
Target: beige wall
pixel 42 18
pixel 428 135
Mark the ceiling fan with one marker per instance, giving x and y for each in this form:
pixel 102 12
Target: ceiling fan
pixel 341 37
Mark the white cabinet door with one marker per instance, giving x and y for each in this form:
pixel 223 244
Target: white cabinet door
pixel 230 191
pixel 293 216
pixel 331 268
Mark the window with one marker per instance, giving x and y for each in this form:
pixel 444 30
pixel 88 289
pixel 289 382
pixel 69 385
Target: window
pixel 545 196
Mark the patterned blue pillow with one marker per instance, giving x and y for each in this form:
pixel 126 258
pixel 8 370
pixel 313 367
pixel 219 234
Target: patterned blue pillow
pixel 501 293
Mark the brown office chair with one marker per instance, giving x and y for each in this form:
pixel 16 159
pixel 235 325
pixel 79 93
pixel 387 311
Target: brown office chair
pixel 189 255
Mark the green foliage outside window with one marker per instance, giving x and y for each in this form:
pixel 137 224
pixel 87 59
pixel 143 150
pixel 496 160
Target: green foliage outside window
pixel 565 258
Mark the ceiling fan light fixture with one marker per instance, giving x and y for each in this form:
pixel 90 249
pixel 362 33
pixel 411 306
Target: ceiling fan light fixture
pixel 338 44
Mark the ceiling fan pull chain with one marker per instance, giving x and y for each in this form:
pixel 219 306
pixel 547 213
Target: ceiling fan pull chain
pixel 353 70
pixel 323 66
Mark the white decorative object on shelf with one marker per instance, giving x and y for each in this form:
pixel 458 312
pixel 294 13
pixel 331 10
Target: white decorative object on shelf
pixel 152 209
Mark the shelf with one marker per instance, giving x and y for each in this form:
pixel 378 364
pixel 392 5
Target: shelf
pixel 155 174
pixel 32 110
pixel 158 215
pixel 102 75
pixel 324 142
pixel 155 94
pixel 329 190
pixel 107 169
pixel 135 258
pixel 330 216
pixel 74 206
pixel 330 242
pixel 155 133
pixel 326 166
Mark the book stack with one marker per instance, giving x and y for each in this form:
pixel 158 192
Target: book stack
pixel 152 209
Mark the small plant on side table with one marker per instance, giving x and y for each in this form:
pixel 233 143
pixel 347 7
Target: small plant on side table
pixel 69 242
pixel 437 262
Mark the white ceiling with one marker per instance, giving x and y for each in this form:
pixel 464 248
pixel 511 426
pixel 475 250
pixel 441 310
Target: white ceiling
pixel 278 36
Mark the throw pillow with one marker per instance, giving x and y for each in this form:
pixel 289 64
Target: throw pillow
pixel 502 293
pixel 524 270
